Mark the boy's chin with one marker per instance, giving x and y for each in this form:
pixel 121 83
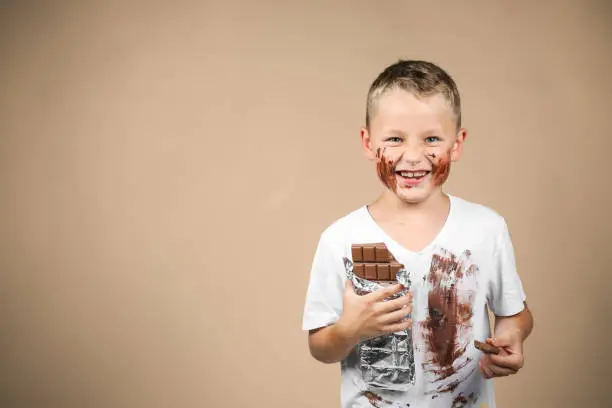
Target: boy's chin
pixel 413 195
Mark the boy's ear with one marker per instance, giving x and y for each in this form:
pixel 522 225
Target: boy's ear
pixel 458 145
pixel 366 144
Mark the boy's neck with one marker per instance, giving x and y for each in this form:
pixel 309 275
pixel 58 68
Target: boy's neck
pixel 388 206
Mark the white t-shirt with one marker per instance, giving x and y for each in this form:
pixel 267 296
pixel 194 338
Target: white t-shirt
pixel 470 264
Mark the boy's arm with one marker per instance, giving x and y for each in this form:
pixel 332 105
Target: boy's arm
pixel 513 319
pixel 509 334
pixel 519 325
pixel 330 344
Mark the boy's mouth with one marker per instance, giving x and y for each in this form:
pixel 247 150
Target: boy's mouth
pixel 412 177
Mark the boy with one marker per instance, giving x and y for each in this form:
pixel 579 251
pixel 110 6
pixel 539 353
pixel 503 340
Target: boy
pixel 458 256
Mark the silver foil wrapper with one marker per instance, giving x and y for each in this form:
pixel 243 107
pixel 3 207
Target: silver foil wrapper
pixel 386 362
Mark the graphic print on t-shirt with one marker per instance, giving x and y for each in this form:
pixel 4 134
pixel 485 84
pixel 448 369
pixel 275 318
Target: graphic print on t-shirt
pixel 447 328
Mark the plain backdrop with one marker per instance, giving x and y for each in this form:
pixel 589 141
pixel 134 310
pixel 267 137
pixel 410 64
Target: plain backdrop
pixel 166 169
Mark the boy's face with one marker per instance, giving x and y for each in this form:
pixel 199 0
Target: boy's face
pixel 413 141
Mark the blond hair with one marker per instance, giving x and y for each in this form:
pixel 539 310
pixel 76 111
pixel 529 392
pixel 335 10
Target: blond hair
pixel 421 78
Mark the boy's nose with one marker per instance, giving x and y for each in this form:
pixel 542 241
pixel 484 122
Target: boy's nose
pixel 412 155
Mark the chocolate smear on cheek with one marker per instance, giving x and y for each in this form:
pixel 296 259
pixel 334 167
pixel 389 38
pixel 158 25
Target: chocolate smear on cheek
pixel 440 167
pixel 386 170
pixel 448 316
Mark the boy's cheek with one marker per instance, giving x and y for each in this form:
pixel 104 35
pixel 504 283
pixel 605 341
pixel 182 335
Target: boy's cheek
pixel 387 153
pixel 392 153
pixel 440 167
pixel 385 167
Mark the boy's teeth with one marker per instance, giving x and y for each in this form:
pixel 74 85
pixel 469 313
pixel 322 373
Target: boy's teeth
pixel 411 174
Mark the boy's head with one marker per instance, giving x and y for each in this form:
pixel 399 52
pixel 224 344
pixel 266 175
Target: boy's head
pixel 413 128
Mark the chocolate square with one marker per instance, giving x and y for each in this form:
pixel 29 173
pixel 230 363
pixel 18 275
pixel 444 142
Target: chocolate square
pixel 357 253
pixel 370 271
pixel 381 253
pixel 368 253
pixel 384 272
pixel 395 267
pixel 359 270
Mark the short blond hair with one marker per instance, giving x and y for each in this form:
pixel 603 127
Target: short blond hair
pixel 421 78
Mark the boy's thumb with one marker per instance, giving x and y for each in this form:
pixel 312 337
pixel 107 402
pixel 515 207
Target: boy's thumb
pixel 348 286
pixel 497 342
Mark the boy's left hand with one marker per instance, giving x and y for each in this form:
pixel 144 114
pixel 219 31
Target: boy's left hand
pixel 508 361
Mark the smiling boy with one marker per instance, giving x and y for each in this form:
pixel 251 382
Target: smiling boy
pixel 458 254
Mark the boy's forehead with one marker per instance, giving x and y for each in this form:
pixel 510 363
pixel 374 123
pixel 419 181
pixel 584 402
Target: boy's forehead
pixel 398 107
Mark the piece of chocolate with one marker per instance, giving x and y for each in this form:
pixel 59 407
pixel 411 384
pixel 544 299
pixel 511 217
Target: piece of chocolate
pixel 359 270
pixel 381 253
pixel 370 271
pixel 374 261
pixel 369 253
pixel 357 253
pixel 384 272
pixel 395 268
pixel 486 347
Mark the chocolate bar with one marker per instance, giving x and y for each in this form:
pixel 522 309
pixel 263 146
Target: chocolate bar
pixel 374 262
pixel 486 347
pixel 386 362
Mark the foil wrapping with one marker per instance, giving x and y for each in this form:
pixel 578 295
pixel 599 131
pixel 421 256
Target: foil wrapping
pixel 387 361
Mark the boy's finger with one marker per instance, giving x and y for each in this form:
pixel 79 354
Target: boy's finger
pixel 396 316
pixel 487 372
pixel 386 292
pixel 498 342
pixel 348 286
pixel 491 341
pixel 501 371
pixel 392 305
pixel 398 327
pixel 512 362
pixel 481 368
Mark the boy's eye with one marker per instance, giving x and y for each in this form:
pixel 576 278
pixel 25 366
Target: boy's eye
pixel 394 139
pixel 432 139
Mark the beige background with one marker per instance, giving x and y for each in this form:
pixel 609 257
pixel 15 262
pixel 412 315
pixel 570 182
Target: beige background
pixel 166 169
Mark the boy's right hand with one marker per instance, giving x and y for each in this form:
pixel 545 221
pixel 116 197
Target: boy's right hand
pixel 368 316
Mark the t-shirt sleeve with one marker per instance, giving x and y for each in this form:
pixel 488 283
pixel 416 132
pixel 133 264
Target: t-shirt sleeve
pixel 505 293
pixel 326 287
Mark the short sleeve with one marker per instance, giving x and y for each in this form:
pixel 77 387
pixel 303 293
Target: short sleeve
pixel 505 292
pixel 326 286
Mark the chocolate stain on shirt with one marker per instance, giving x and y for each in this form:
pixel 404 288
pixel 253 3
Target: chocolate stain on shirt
pixel 450 387
pixel 375 399
pixel 449 316
pixel 386 170
pixel 460 401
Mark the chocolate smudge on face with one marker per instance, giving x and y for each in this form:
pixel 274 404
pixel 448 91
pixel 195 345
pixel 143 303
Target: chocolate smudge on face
pixel 460 401
pixel 440 167
pixel 449 316
pixel 386 170
pixel 375 399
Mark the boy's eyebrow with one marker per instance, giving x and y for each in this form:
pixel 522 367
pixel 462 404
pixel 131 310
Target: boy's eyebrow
pixel 432 131
pixel 429 131
pixel 395 131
